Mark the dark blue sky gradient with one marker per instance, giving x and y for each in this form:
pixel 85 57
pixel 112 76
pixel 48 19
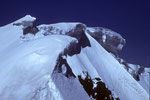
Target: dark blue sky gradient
pixel 130 18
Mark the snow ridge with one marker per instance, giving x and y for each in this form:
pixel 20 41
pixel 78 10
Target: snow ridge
pixel 43 62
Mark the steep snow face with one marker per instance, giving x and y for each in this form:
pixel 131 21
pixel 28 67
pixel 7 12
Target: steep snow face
pixel 101 63
pixel 45 65
pixel 70 88
pixel 145 79
pixel 139 73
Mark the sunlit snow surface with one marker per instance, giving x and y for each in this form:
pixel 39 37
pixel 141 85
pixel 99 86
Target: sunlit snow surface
pixel 113 74
pixel 26 67
pixel 27 64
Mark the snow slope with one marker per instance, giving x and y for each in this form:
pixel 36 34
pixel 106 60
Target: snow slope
pixel 110 70
pixel 28 64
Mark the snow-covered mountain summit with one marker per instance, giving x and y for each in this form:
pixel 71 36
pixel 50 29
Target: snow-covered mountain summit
pixel 66 61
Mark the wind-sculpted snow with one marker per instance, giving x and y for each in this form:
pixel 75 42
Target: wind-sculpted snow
pixel 27 24
pixel 44 64
pixel 25 21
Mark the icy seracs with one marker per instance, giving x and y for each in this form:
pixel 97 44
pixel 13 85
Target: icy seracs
pixel 43 62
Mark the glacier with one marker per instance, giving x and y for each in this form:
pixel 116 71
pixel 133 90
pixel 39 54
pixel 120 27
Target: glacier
pixel 43 62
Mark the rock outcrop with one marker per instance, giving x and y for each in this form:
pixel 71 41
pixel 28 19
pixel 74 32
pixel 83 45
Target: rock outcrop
pixel 113 42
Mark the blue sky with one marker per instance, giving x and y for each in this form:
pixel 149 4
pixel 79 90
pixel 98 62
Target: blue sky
pixel 130 18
